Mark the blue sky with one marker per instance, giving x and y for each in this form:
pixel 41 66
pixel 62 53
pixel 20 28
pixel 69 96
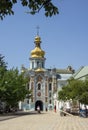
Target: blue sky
pixel 64 37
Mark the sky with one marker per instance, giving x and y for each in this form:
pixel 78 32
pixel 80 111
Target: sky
pixel 64 36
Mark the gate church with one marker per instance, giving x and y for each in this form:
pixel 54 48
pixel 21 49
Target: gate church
pixel 43 82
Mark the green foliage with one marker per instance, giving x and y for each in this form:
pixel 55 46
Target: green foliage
pixel 6 8
pixel 13 85
pixel 75 90
pixel 34 6
pixel 62 95
pixel 3 66
pixel 3 69
pixel 84 98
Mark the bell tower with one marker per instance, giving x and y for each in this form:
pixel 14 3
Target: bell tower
pixel 37 59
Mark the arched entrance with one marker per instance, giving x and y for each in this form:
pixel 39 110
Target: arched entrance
pixel 40 104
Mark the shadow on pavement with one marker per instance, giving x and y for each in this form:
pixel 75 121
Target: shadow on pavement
pixel 7 116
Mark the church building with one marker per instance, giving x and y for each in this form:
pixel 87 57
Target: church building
pixel 44 83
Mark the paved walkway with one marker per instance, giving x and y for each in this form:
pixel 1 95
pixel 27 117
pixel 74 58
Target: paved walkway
pixel 44 121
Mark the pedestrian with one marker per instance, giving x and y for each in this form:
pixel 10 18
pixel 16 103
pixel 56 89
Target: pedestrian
pixel 85 111
pixel 55 108
pixel 46 109
pixel 38 109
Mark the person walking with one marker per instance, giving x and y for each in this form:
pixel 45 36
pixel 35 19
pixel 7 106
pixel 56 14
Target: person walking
pixel 38 109
pixel 55 108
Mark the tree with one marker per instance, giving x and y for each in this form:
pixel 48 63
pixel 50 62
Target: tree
pixel 74 93
pixel 75 90
pixel 14 88
pixel 13 85
pixel 3 66
pixel 84 96
pixel 3 69
pixel 34 6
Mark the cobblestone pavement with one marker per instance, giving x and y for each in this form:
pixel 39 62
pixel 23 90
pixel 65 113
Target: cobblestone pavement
pixel 44 121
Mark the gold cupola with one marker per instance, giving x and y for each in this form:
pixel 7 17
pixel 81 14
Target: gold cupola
pixel 37 52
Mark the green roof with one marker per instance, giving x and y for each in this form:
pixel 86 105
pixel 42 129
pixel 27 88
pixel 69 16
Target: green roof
pixel 82 72
pixel 64 71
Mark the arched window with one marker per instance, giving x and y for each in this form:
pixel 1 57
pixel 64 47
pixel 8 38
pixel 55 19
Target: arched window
pixel 37 63
pixel 46 90
pixel 42 65
pixel 50 101
pixel 50 86
pixel 32 65
pixel 39 86
pixel 28 86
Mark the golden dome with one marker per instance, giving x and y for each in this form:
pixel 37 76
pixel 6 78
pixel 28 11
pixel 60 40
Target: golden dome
pixel 40 70
pixel 37 39
pixel 37 52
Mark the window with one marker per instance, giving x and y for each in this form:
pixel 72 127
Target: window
pixel 37 63
pixel 42 65
pixel 39 86
pixel 32 65
pixel 46 92
pixel 27 101
pixel 50 101
pixel 28 86
pixel 50 86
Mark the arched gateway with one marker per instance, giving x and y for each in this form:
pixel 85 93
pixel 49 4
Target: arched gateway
pixel 40 104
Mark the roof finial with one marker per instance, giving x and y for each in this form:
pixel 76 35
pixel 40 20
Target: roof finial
pixel 37 30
